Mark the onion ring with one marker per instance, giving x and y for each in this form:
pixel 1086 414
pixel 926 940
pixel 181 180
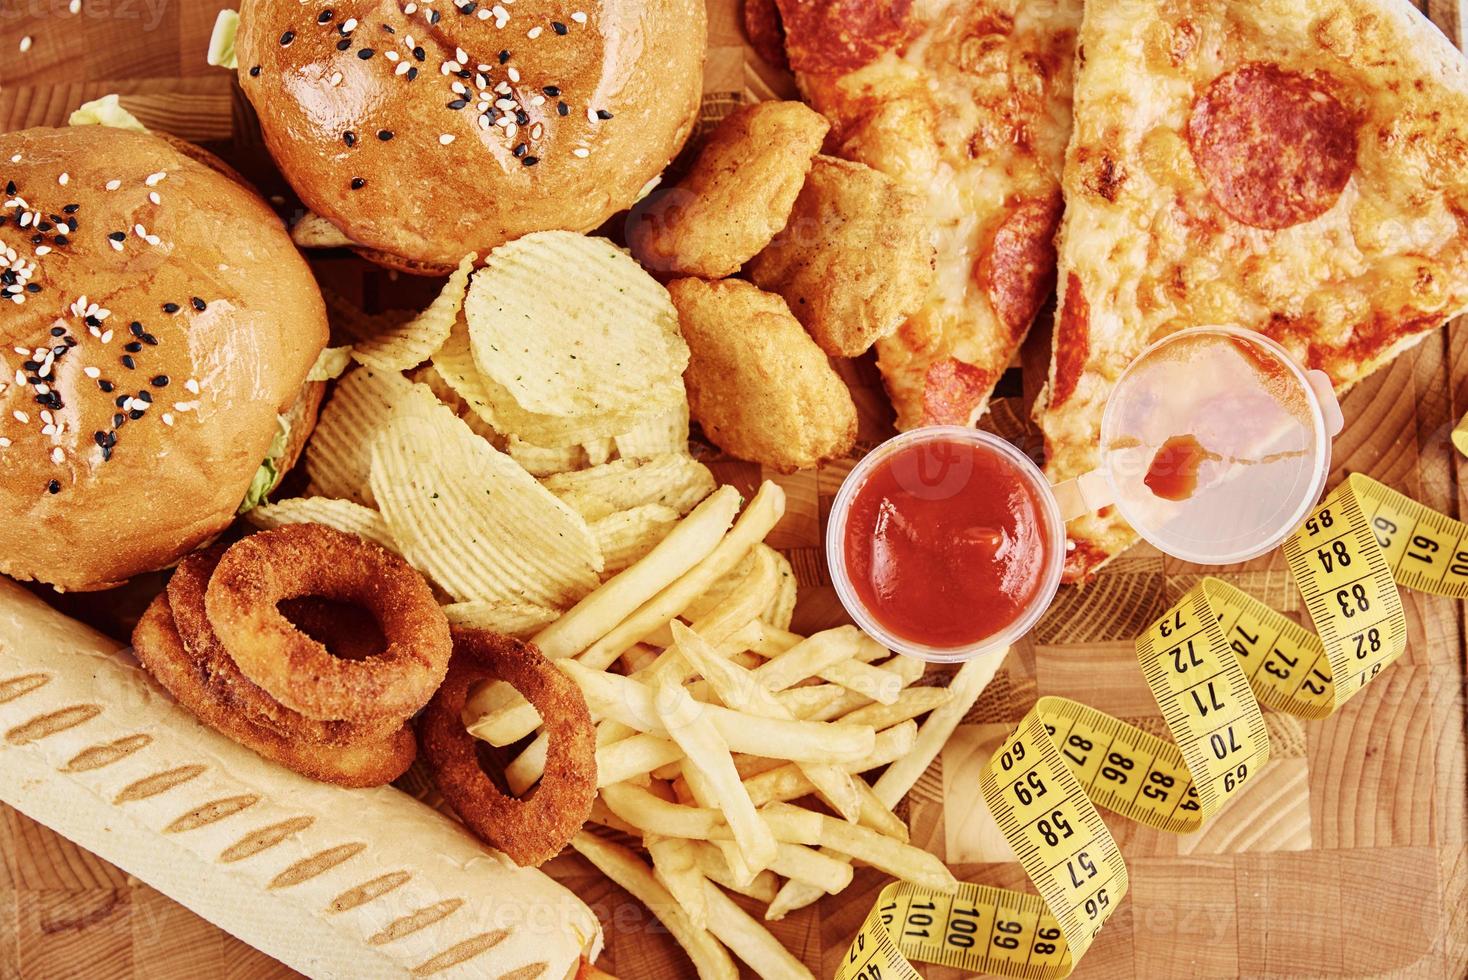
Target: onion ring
pixel 161 650
pixel 534 829
pixel 222 679
pixel 300 560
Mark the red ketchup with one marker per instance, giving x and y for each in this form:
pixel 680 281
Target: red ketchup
pixel 946 543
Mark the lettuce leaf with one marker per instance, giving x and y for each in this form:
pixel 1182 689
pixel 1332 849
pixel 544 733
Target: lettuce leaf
pixel 269 471
pixel 221 42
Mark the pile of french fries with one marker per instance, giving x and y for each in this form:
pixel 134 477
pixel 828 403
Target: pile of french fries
pixel 733 748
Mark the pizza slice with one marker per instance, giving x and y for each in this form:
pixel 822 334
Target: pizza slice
pixel 1298 167
pixel 967 103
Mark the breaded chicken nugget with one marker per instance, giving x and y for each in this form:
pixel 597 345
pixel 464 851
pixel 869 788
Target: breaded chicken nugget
pixel 738 195
pixel 757 383
pixel 855 259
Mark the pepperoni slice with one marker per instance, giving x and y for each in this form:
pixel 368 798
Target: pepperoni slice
pixel 1275 148
pixel 765 31
pixel 1017 271
pixel 1072 342
pixel 952 390
pixel 834 37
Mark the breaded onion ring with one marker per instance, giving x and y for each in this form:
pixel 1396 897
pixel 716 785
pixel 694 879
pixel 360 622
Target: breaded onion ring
pixel 531 830
pixel 228 687
pixel 162 652
pixel 313 560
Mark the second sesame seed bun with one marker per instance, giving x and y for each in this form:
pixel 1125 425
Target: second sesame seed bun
pixel 383 131
pixel 229 322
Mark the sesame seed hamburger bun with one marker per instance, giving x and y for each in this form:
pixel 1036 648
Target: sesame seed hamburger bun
pixel 425 131
pixel 157 323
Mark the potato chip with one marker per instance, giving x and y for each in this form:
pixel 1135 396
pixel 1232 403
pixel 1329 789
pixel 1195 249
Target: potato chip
pixel 344 515
pixel 572 326
pixel 599 451
pixel 314 231
pixel 409 344
pixel 454 363
pixel 338 457
pixel 472 519
pixel 521 620
pixel 546 430
pixel 781 609
pixel 540 461
pixel 674 481
pixel 429 375
pixel 627 535
pixel 776 570
pixel 665 433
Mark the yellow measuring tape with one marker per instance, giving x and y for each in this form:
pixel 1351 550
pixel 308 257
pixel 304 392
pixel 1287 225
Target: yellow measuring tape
pixel 1211 661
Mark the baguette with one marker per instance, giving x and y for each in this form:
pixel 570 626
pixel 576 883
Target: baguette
pixel 331 882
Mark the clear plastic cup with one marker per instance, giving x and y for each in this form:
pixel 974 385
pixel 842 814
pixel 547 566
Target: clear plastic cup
pixel 1052 530
pixel 1252 432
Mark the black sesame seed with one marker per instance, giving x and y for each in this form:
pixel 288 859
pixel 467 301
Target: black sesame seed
pixel 146 397
pixel 135 328
pixel 30 366
pixel 366 54
pixel 358 183
pixel 504 57
pixel 70 209
pixel 530 161
pixel 71 224
pixel 255 72
pixel 603 114
pixel 54 486
pixel 467 8
pixel 419 53
pixel 118 236
pixel 349 138
pixel 522 117
pixel 92 321
pixel 127 362
pixel 37 239
pixel 135 414
pixel 562 109
pixel 58 331
pixel 106 386
pixel 464 73
pixel 384 134
pixel 10 188
pixel 199 304
pixel 121 400
pixel 521 149
pixel 433 16
pixel 46 226
pixel 324 17
pixel 62 240
pixel 69 340
pixel 287 38
pixel 559 28
pixel 132 347
pixel 458 104
pixel 118 419
pixel 106 453
pixel 170 307
pixel 343 44
pixel 148 339
pixel 389 28
pixel 161 381
pixel 553 91
pixel 100 438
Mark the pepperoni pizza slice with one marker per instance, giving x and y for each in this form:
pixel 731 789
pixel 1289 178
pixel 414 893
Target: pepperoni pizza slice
pixel 1298 167
pixel 966 102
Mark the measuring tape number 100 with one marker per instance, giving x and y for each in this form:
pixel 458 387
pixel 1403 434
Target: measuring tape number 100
pixel 1211 661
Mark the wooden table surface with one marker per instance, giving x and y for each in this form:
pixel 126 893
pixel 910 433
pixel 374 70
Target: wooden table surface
pixel 1348 857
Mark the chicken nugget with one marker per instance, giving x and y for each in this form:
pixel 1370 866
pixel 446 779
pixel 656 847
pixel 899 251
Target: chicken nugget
pixel 757 383
pixel 737 196
pixel 855 260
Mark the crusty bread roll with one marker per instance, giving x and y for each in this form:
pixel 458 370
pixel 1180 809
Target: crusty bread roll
pixel 130 432
pixel 556 117
pixel 332 882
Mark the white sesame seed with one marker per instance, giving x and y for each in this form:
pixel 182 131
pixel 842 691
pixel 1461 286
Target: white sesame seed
pixel 403 68
pixel 92 372
pixel 154 180
pixel 535 32
pixel 64 179
pixel 410 9
pixel 48 430
pixel 15 159
pixel 513 73
pixel 75 6
pixel 461 56
pixel 536 131
pixel 57 456
pixel 483 122
pixel 42 249
pixel 446 139
pixel 336 78
pixel 25 44
pixel 579 17
pixel 154 198
pixel 113 185
pixel 505 121
pixel 511 130
pixel 140 231
pixel 349 25
pixel 47 417
pixel 192 385
pixel 4 443
pixel 539 100
pixel 482 14
pixel 391 55
pixel 116 246
pixel 582 152
pixel 167 418
pixel 21 417
pixel 459 88
pixel 106 337
pixel 153 240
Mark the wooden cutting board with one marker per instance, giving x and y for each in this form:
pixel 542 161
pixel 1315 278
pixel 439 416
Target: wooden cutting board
pixel 1348 857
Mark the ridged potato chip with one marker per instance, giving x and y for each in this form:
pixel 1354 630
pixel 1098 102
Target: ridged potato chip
pixel 430 375
pixel 338 457
pixel 454 363
pixel 472 519
pixel 521 620
pixel 627 535
pixel 598 341
pixel 599 451
pixel 674 481
pixel 344 515
pixel 409 344
pixel 665 433
pixel 540 461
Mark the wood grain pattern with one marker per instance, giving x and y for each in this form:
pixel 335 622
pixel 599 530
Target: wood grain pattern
pixel 1348 857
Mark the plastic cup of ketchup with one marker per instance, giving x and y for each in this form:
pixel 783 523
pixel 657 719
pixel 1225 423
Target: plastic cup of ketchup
pixel 945 542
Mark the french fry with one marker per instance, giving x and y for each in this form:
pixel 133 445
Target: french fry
pixel 650 814
pixel 709 753
pixel 527 768
pixel 806 702
pixel 749 940
pixel 897 859
pixel 788 782
pixel 855 674
pixel 762 514
pixel 693 788
pixel 809 657
pixel 711 862
pixel 710 959
pixel 633 703
pixel 674 865
pixel 632 757
pixel 800 863
pixel 909 704
pixel 877 815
